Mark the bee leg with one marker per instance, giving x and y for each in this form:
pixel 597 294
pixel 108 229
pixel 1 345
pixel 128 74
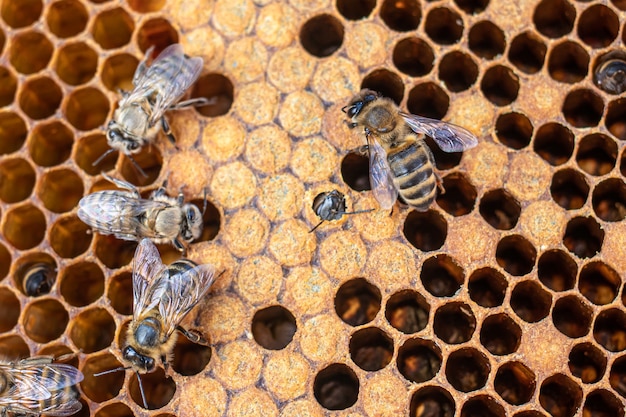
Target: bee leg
pixel 195 102
pixel 439 182
pixel 193 335
pixel 168 131
pixel 178 245
pixel 122 184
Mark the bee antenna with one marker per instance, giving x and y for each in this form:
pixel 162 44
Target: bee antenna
pixel 104 155
pixel 205 202
pixel 358 211
pixel 316 226
pixel 110 371
pixel 141 171
pixel 143 394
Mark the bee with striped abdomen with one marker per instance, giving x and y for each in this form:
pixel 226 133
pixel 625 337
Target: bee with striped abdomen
pixel 400 160
pixel 38 279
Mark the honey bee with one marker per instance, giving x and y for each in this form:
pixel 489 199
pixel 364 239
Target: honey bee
pixel 36 386
pixel 38 279
pixel 129 217
pixel 611 75
pixel 157 89
pixel 162 297
pixel 331 205
pixel 399 160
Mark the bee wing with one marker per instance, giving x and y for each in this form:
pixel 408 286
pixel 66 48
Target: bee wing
pixel 62 403
pixel 449 137
pixel 147 266
pixel 39 382
pixel 381 181
pixel 179 293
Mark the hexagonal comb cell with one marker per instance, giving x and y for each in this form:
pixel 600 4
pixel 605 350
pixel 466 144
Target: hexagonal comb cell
pixel 67 18
pixel 357 302
pixel 21 14
pixel 597 154
pixel 9 309
pixel 8 86
pixel 157 32
pixel 500 335
pixel 401 16
pixel 428 100
pixel 82 334
pixel 81 283
pixel 371 348
pixel 69 236
pixel 159 389
pixel 24 226
pixel 432 399
pixel 217 88
pixel 17 179
pixel 60 190
pixel 12 132
pixel 76 63
pixel 557 270
pixel 13 346
pixel 103 387
pixel 322 35
pixel 190 358
pixel 515 383
pixel 454 323
pixel 89 149
pixel 559 395
pixel 385 82
pixel 571 316
pixel 407 311
pixel 336 387
pixel 609 200
pixel 444 26
pixel 527 52
pixel 113 28
pixel 587 362
pixel 86 108
pixel 467 369
pixel 30 51
pixel 45 320
pixel 554 143
pixel 115 410
pixel 50 143
pixel 458 71
pixel 426 231
pixel 530 302
pixel 419 360
pixel 487 287
pixel 273 327
pixel 413 56
pixel 40 97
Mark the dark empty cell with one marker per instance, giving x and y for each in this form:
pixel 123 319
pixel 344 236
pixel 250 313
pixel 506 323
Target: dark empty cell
pixel 442 276
pixel 81 283
pixel 530 301
pixel 13 346
pixel 432 401
pixel 515 383
pixel 114 253
pixel 157 32
pixel 554 143
pixel 569 189
pixel 454 323
pixel 426 231
pixel 609 329
pixel 615 118
pixel 402 15
pixel 472 6
pixel 413 56
pixel 146 6
pixel 190 358
pixel 17 179
pixel 50 143
pixel 82 334
pixel 218 89
pixel 371 349
pixel 12 132
pixel 572 316
pixel 598 26
pixel 557 270
pixel 211 220
pixel 67 18
pixel 500 209
pixel 30 52
pixel 407 311
pixel 44 320
pixel 69 236
pixel 500 335
pixel 516 255
pixel 355 171
pixel 514 130
pixel 355 10
pixel 458 71
pixel 158 388
pixel 587 362
pixel 622 163
pixel 500 85
pixel 603 403
pixel 617 376
pixel 527 52
pixel 554 18
pixel 114 410
pixel 322 35
pixel 8 86
pixel 467 369
pixel 273 327
pixel 336 387
pixel 18 14
pixel 89 149
pixel 620 4
pixel 113 28
pixel 428 100
pixel 583 237
pixel 120 293
pixel 387 83
pixel 483 406
pixel 24 226
pixel 597 154
pixel 583 108
pixel 444 26
pixel 60 190
pixel 609 200
pixel 40 97
pixel 9 309
pixel 149 159
pixel 117 72
pixel 487 287
pixel 568 62
pixel 5 261
pixel 419 360
pixel 560 396
pixel 103 387
pixel 357 302
pixel 599 283
pixel 76 63
pixel 486 40
pixel 460 196
pixel 609 72
pixel 87 108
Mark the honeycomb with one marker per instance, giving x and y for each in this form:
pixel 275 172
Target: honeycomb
pixel 506 298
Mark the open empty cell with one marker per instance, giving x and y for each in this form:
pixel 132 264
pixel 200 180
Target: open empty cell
pixel 86 108
pixel 158 388
pixel 614 120
pixel 597 154
pixel 568 62
pixel 401 16
pixel 387 83
pixel 454 323
pixel 103 387
pixel 13 346
pixel 426 230
pixel 146 6
pixel 609 200
pixel 8 85
pixel 569 189
pixel 117 72
pixel 444 26
pixel 149 159
pixel 5 261
pixel 322 35
pixel 81 283
pixel 190 358
pixel 599 283
pixel 487 287
pixel 500 85
pixel 353 10
pixel 35 274
pixel 113 28
pixel 19 14
pixel 434 398
pixel 357 302
pixel 24 226
pixel 120 292
pixel 114 253
pixel 69 236
pixel 554 18
pixel 530 301
pixel 50 143
pixel 67 18
pixel 336 387
pixel 486 40
pixel 609 329
pixel 17 179
pixel 60 190
pixel 554 143
pixel 12 132
pixel 460 196
pixel 217 88
pixel 428 100
pixel 458 71
pixel 45 320
pixel 371 349
pixel 516 255
pixel 467 369
pixel 598 26
pixel 583 108
pixel 40 97
pixel 419 360
pixel 483 406
pixel 602 402
pixel 9 309
pixel 442 276
pixel 500 334
pixel 617 376
pixel 157 32
pixel 515 383
pixel 89 149
pixel 407 311
pixel 30 51
pixel 273 327
pixel 76 63
pixel 583 237
pixel 82 330
pixel 115 410
pixel 355 171
pixel 557 270
pixel 514 130
pixel 527 52
pixel 560 396
pixel 413 56
pixel 587 362
pixel 500 209
pixel 572 316
pixel 472 7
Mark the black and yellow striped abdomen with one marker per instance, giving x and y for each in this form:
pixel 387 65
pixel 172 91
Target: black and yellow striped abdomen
pixel 412 169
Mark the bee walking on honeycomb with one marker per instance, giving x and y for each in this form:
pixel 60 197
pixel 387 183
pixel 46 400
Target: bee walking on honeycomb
pixel 127 216
pixel 331 205
pixel 162 297
pixel 400 161
pixel 157 89
pixel 36 386
pixel 38 279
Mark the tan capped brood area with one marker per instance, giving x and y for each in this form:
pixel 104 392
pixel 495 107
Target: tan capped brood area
pixel 506 298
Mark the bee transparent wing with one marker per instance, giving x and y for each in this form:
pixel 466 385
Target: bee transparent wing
pixel 62 403
pixel 181 292
pixel 449 137
pixel 381 181
pixel 147 266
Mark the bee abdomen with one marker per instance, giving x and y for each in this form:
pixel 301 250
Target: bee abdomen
pixel 414 178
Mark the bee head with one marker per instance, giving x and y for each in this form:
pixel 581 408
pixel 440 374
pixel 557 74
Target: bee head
pixel 193 223
pixel 356 105
pixel 329 205
pixel 118 140
pixel 142 363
